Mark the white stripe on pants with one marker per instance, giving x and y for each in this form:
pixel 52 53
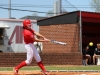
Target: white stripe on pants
pixel 31 52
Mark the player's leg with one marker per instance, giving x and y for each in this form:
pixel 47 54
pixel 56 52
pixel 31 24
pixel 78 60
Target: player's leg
pixel 28 60
pixel 18 67
pixel 37 58
pixel 39 62
pixel 94 57
pixel 30 54
pixel 88 59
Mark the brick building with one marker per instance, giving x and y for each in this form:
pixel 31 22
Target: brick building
pixel 77 29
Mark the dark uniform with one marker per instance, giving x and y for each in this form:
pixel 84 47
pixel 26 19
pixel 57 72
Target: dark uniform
pixel 91 50
pixel 97 51
pixel 84 52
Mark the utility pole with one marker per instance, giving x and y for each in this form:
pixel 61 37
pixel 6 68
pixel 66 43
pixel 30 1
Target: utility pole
pixel 9 9
pixel 57 7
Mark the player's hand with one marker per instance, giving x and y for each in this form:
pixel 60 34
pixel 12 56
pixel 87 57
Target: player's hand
pixel 46 40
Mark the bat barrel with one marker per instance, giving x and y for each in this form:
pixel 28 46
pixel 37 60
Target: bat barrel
pixel 57 42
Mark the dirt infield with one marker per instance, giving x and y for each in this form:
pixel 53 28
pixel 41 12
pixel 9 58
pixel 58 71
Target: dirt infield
pixel 52 72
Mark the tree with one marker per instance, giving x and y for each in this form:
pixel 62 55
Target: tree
pixel 34 14
pixel 51 13
pixel 64 11
pixel 95 5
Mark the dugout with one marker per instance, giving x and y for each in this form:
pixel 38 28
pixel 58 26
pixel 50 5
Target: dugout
pixel 76 28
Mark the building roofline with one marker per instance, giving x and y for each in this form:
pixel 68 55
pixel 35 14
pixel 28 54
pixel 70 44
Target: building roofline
pixel 96 13
pixel 15 20
pixel 58 15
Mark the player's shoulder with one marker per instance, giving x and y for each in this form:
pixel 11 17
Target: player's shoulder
pixel 26 32
pixel 32 30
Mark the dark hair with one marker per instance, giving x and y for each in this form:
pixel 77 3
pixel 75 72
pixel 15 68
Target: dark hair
pixel 23 27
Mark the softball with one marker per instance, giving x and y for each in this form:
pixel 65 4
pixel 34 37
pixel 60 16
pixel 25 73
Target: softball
pixel 90 44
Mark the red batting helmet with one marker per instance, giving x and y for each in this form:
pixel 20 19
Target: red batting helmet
pixel 26 23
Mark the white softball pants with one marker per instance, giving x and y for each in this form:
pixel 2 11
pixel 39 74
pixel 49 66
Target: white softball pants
pixel 32 52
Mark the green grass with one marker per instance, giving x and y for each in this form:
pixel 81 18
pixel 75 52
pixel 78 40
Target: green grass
pixel 55 68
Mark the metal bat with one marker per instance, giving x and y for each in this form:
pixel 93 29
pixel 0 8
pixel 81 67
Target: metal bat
pixel 57 42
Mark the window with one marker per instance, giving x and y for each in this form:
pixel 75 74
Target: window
pixel 1 36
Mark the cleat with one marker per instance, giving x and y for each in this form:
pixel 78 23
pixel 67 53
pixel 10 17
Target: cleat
pixel 46 73
pixel 15 71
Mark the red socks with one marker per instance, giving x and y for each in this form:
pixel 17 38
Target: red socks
pixel 21 65
pixel 40 64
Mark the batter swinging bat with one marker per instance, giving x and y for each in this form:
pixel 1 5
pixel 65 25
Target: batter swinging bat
pixel 57 42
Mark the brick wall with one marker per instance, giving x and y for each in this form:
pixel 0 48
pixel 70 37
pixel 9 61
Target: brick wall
pixel 13 59
pixel 68 33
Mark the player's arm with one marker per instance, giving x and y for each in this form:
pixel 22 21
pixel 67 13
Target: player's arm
pixel 38 40
pixel 94 55
pixel 40 36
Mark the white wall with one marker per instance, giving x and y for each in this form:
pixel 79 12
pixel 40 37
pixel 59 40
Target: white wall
pixel 7 34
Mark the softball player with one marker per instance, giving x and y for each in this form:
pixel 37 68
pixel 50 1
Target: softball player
pixel 29 39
